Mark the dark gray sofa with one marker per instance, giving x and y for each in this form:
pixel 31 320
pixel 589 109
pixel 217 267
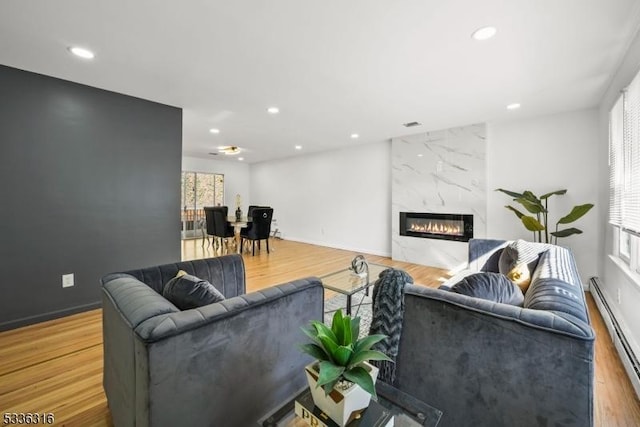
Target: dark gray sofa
pixel 224 364
pixel 490 364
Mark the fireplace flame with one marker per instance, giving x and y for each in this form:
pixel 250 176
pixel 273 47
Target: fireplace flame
pixel 437 228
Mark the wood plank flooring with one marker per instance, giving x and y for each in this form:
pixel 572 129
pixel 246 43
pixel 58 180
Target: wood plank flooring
pixel 56 366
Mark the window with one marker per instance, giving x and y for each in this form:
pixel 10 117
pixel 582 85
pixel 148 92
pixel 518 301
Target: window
pixel 199 190
pixel 624 248
pixel 624 174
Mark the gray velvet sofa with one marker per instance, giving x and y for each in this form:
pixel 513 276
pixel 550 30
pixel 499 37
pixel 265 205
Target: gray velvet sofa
pixel 491 364
pixel 223 364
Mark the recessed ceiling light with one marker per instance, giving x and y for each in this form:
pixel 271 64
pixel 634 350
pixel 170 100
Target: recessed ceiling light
pixel 355 136
pixel 273 110
pixel 420 155
pixel 513 106
pixel 81 52
pixel 484 33
pixel 212 130
pixel 240 158
pixel 298 147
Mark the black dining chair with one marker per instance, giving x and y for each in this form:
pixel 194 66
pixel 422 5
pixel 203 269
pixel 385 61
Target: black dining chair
pixel 259 229
pixel 217 224
pixel 209 225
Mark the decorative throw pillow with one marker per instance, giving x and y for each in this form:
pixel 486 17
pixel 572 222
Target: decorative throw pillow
pixel 186 291
pixel 490 286
pixel 517 262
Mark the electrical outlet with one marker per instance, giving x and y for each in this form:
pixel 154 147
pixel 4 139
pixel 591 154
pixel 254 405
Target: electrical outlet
pixel 67 280
pixel 619 297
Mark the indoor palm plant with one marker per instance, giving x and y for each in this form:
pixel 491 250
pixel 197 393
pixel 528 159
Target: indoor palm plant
pixel 538 206
pixel 341 366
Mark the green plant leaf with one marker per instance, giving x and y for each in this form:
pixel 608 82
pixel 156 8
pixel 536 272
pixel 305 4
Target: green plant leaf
pixel 553 193
pixel 531 223
pixel 527 194
pixel 323 329
pixel 337 326
pixel 355 328
pixel 367 342
pixel 533 206
pixel 312 333
pixel 510 193
pixel 367 355
pixel 329 345
pixel 342 355
pixel 515 211
pixel 360 376
pixel 329 372
pixel 576 213
pixel 329 386
pixel 315 351
pixel 347 339
pixel 567 232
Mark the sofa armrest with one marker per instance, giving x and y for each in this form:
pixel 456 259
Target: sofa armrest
pixel 133 300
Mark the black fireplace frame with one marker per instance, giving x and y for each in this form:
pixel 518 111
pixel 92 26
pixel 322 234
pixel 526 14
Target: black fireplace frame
pixel 467 221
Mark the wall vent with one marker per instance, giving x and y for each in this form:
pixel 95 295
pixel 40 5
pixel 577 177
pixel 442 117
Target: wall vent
pixel 411 124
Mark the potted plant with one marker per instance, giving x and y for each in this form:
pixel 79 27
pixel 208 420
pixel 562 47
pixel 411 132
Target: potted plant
pixel 539 207
pixel 341 378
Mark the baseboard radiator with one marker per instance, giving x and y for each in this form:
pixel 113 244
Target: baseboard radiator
pixel 627 356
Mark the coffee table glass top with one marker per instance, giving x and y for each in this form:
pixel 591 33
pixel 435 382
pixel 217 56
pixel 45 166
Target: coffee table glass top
pixel 407 410
pixel 348 283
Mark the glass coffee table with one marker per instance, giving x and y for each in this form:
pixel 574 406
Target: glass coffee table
pixel 407 410
pixel 346 282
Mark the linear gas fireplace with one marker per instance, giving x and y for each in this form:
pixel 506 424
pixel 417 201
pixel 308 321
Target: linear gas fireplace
pixel 456 227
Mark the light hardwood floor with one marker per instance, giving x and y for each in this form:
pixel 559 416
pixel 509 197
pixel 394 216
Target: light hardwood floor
pixel 56 366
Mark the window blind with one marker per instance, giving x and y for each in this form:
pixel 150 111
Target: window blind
pixel 616 175
pixel 631 141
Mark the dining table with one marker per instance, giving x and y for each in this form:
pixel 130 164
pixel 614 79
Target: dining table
pixel 238 224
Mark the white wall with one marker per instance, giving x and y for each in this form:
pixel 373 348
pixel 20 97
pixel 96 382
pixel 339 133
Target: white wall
pixel 440 171
pixel 544 154
pixel 236 178
pixel 616 278
pixel 339 198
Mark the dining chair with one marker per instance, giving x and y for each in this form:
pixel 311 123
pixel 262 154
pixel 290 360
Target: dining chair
pixel 259 229
pixel 222 230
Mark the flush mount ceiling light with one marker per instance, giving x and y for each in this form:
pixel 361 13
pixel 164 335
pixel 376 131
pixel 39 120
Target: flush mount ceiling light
pixel 513 106
pixel 82 52
pixel 273 110
pixel 298 147
pixel 355 136
pixel 229 150
pixel 216 131
pixel 484 33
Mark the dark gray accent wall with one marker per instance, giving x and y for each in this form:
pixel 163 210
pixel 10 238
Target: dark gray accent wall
pixel 89 184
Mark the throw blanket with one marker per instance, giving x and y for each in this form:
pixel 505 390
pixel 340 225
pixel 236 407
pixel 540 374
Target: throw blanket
pixel 388 311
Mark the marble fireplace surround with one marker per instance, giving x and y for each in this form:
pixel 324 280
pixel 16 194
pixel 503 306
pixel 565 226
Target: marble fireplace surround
pixel 441 171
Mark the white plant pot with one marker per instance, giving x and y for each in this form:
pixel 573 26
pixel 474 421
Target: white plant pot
pixel 339 405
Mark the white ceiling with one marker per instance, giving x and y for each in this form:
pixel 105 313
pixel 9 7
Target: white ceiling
pixel 333 67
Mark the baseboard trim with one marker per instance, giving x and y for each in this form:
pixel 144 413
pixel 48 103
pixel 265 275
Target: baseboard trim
pixel 344 248
pixel 627 356
pixel 30 320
